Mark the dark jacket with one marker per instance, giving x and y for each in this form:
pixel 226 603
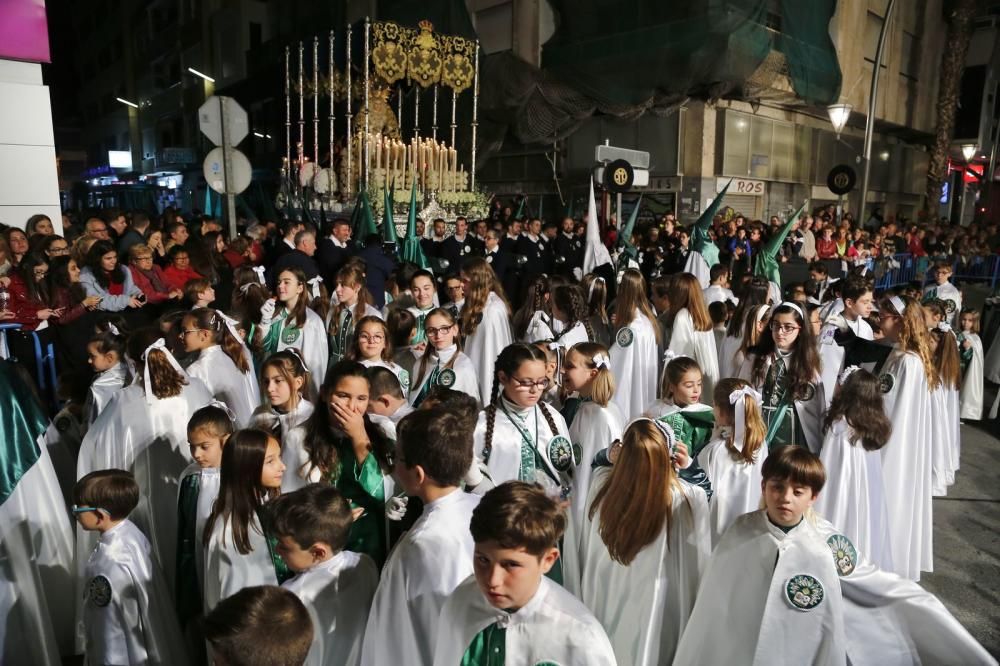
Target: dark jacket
pixel 377 269
pixel 295 259
pixel 330 258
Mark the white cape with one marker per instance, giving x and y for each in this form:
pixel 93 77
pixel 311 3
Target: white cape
pixel 890 621
pixel 698 267
pixel 424 568
pixel 314 346
pixel 36 576
pixel 730 357
pixel 269 418
pixel 227 571
pixel 943 446
pixel 645 605
pixel 553 627
pixel 539 328
pixel 104 386
pixel 135 623
pixel 490 338
pixel 503 455
pixel 853 496
pixel 743 616
pixel 238 390
pixel 338 595
pixel 906 465
pixel 594 428
pixel 634 366
pixel 466 380
pixel 699 345
pixel 972 383
pixel 735 485
pixel 150 440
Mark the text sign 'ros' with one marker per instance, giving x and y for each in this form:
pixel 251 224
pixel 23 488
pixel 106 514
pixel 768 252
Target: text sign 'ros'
pixel 744 186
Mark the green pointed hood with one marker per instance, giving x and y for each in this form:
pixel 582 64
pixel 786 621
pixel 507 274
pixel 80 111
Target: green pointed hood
pixel 388 224
pixel 766 263
pixel 411 251
pixel 700 242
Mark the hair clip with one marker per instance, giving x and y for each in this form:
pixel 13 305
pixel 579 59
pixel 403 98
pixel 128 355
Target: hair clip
pixel 602 361
pixel 847 372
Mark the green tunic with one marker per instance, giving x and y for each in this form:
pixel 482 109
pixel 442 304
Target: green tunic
pixel 340 342
pixel 186 587
pixel 965 355
pixel 281 570
pixel 779 408
pixel 362 485
pixel 694 428
pixel 280 333
pixel 488 648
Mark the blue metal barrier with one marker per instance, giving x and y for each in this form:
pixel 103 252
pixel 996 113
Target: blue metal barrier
pixel 902 269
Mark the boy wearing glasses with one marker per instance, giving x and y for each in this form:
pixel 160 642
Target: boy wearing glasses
pixel 127 614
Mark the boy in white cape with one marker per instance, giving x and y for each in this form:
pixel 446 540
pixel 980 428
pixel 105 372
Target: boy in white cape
pixel 509 612
pixel 336 585
pixel 771 586
pixel 433 454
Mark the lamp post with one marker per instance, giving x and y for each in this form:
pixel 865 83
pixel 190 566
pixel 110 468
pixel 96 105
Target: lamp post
pixel 839 114
pixel 969 151
pixel 872 102
pixel 134 132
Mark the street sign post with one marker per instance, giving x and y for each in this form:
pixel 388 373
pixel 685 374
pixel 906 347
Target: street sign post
pixel 225 123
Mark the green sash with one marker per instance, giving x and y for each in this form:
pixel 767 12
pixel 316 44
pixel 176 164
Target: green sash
pixel 488 648
pixel 530 458
pixel 339 342
pixel 281 570
pixel 186 587
pixel 776 402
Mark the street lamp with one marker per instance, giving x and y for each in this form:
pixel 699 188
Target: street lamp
pixel 204 76
pixel 126 102
pixel 969 151
pixel 839 113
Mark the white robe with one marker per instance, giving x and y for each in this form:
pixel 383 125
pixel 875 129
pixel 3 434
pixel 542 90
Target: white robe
pixel 490 338
pixel 943 448
pixel 698 267
pixel 890 621
pixel 906 465
pixel 594 428
pixel 104 386
pixel 424 568
pixel 742 615
pixel 714 293
pixel 831 354
pixel 150 440
pixel 313 344
pixel 808 413
pixel 634 366
pixel 735 485
pixel 539 328
pixel 128 616
pixel 227 571
pixel 853 496
pixel 208 492
pixel 971 396
pixel 466 380
pixel 554 626
pixel 946 292
pixel 644 605
pixel 338 595
pixel 238 390
pixel 699 345
pixel 573 336
pixel 503 453
pixel 730 357
pixel 36 570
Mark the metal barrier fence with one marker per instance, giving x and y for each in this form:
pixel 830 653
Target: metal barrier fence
pixel 902 269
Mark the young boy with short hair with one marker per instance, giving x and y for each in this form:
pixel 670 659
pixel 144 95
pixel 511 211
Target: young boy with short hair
pixel 771 585
pixel 127 614
pixel 385 395
pixel 854 306
pixel 718 288
pixel 336 585
pixel 509 612
pixel 433 455
pixel 943 290
pixel 263 625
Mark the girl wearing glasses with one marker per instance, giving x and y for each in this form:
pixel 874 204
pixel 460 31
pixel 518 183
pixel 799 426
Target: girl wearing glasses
pixel 785 368
pixel 443 363
pixel 354 302
pixel 518 436
pixel 287 321
pixel 905 379
pixel 371 346
pixel 633 351
pixel 144 430
pixel 222 362
pixel 485 321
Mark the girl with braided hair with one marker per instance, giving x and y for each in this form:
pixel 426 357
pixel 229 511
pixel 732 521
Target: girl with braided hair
pixel 518 436
pixel 222 362
pixel 569 308
pixel 485 321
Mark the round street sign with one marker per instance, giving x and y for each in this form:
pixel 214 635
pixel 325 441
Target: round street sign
pixel 841 179
pixel 215 171
pixel 618 176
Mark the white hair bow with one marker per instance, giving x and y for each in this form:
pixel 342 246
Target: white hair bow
pixel 260 270
pixel 944 327
pixel 663 427
pixel 847 372
pixel 229 323
pixel 590 292
pixel 113 330
pixel 602 361
pixel 161 346
pixel 224 407
pixel 314 286
pixel 736 398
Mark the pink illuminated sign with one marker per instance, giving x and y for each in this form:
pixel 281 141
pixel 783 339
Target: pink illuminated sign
pixel 24 33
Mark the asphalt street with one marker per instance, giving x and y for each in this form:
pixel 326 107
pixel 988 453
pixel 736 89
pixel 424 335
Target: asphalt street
pixel 967 538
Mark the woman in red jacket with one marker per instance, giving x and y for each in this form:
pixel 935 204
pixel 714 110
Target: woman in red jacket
pixel 29 294
pixel 179 271
pixel 826 247
pixel 149 277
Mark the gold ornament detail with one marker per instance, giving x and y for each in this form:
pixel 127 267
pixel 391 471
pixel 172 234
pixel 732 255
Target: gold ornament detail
pixel 422 56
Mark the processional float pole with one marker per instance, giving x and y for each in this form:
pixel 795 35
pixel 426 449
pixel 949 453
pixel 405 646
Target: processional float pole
pixel 475 119
pixel 350 136
pixel 330 71
pixel 365 139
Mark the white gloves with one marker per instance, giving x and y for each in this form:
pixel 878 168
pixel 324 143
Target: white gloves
pixel 266 314
pixel 395 508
